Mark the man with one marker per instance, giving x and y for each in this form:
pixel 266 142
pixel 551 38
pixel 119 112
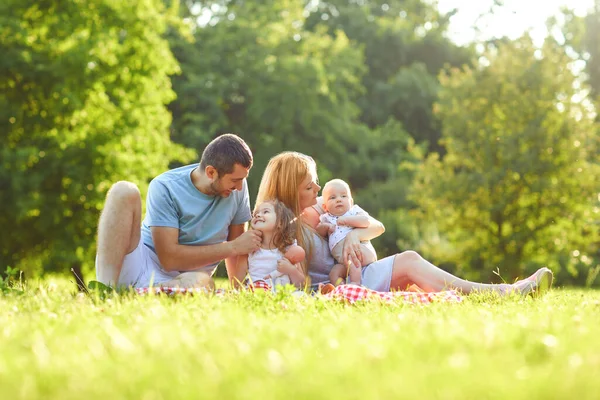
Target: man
pixel 195 217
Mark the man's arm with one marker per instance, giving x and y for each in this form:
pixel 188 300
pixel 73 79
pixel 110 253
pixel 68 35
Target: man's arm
pixel 177 257
pixel 238 273
pixel 234 271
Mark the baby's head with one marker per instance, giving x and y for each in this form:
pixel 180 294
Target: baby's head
pixel 273 217
pixel 337 198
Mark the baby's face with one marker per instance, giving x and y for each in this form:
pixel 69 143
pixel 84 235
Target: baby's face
pixel 337 199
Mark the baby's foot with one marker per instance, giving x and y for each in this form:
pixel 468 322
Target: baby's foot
pixel 326 288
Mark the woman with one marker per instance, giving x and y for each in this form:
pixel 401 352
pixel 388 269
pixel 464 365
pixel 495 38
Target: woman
pixel 291 178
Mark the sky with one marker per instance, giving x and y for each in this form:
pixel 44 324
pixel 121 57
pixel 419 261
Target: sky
pixel 511 20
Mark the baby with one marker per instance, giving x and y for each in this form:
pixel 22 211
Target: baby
pixel 340 217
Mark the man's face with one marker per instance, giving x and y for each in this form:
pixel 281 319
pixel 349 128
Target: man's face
pixel 224 185
pixel 337 200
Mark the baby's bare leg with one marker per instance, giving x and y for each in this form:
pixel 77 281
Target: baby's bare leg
pixel 368 256
pixel 338 274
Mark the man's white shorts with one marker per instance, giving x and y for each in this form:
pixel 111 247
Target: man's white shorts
pixel 141 268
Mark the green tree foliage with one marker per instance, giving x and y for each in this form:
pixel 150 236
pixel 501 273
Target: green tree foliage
pixel 580 37
pixel 253 69
pixel 516 187
pixel 83 88
pixel 405 48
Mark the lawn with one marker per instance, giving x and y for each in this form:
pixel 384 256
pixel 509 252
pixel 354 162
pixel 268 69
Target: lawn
pixel 55 344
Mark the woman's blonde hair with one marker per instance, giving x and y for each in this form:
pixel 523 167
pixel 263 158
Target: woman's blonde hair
pixel 281 181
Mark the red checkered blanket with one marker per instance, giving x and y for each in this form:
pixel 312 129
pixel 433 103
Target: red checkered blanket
pixel 353 293
pixel 349 293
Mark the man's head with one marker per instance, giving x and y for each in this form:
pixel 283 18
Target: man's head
pixel 337 198
pixel 226 161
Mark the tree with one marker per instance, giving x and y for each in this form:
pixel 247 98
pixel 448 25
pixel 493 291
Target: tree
pixel 254 70
pixel 405 48
pixel 83 90
pixel 517 184
pixel 580 36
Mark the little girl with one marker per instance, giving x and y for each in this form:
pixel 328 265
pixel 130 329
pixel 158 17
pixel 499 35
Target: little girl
pixel 277 258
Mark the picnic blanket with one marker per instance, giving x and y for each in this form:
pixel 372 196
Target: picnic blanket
pixel 347 293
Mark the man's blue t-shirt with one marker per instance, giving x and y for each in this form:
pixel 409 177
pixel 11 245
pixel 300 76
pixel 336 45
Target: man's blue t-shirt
pixel 173 201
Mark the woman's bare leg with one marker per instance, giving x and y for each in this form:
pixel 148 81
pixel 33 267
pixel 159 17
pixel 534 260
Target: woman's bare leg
pixel 409 267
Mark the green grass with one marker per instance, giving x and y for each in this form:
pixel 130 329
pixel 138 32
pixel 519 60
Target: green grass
pixel 57 345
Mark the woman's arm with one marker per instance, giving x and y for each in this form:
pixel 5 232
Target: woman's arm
pixel 311 217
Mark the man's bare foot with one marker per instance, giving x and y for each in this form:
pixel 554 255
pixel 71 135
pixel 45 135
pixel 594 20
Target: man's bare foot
pixel 193 279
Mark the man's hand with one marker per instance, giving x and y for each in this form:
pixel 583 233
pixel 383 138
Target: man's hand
pixel 247 242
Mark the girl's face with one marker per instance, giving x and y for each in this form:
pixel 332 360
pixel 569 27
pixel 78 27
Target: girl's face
pixel 264 218
pixel 308 191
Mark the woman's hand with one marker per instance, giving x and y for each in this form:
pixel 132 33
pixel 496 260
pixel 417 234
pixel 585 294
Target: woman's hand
pixel 351 250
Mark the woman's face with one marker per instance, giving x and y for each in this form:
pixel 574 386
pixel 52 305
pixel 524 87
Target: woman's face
pixel 308 191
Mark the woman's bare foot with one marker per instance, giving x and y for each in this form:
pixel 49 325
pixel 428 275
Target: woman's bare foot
pixel 537 284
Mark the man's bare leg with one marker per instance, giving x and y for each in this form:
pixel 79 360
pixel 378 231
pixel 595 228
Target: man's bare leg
pixel 119 230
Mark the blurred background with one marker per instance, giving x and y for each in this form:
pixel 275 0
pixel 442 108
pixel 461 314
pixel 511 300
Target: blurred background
pixel 470 129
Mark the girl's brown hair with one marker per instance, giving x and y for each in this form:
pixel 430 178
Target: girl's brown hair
pixel 285 225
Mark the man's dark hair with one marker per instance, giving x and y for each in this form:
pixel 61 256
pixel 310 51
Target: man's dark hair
pixel 224 152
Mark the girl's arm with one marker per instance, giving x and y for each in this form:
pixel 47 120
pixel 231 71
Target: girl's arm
pixel 296 276
pixel 274 274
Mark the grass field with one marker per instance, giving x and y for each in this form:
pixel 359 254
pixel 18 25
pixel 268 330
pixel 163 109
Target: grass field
pixel 55 344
